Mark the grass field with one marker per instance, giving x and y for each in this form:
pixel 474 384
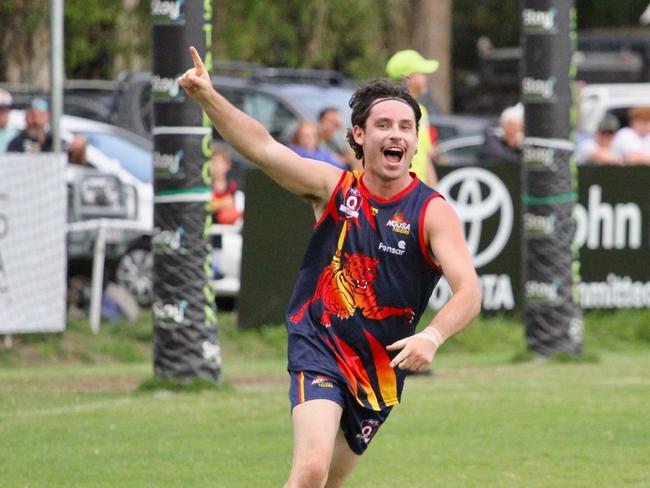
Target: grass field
pixel 72 413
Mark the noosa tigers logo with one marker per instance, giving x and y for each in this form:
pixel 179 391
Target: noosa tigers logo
pixel 346 288
pixel 399 224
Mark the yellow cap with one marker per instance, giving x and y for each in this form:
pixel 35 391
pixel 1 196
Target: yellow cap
pixel 407 62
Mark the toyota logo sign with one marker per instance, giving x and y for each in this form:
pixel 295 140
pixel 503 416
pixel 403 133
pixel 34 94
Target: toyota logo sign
pixel 477 195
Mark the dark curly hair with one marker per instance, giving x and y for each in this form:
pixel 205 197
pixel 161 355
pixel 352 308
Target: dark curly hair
pixel 364 98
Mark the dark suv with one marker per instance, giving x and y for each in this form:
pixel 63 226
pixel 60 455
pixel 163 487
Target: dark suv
pixel 279 98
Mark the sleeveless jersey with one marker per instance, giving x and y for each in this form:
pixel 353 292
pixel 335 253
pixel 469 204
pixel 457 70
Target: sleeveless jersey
pixel 364 283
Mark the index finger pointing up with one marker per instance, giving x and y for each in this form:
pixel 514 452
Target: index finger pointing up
pixel 198 62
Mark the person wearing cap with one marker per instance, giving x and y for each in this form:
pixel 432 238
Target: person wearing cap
pixel 409 65
pixel 598 150
pixel 35 137
pixel 633 142
pixel 504 144
pixel 6 133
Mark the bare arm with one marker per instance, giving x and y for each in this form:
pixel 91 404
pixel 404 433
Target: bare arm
pixel 445 238
pixel 307 178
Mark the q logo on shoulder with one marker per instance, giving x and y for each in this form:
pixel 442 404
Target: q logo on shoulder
pixel 477 195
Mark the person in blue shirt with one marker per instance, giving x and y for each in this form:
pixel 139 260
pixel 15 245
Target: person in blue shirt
pixel 305 143
pixel 6 133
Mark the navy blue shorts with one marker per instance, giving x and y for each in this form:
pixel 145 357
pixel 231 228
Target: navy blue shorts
pixel 358 423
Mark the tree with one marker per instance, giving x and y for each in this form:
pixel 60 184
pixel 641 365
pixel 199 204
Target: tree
pixel 425 25
pixel 24 38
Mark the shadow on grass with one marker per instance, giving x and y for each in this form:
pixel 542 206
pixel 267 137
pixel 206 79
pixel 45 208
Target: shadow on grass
pixel 190 385
pixel 558 357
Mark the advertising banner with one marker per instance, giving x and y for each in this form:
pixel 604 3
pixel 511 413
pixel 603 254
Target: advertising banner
pixel 613 234
pixel 32 243
pixel 487 201
pixel 610 224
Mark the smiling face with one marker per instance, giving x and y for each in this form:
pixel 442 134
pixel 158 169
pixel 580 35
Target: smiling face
pixel 389 139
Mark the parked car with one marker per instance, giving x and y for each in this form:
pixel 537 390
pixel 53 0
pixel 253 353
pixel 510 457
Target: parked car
pixel 279 98
pixel 116 185
pixel 450 126
pixel 459 150
pixel 616 98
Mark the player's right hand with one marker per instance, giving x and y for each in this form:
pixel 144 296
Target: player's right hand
pixel 196 81
pixel 416 352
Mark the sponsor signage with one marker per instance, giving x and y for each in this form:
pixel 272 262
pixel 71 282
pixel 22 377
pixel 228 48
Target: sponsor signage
pixel 488 203
pixel 612 224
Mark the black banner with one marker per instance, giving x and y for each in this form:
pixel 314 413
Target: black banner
pixel 184 314
pixel 612 232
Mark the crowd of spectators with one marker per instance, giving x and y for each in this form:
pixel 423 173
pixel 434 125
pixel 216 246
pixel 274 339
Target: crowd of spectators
pixel 611 144
pixel 36 136
pixel 325 140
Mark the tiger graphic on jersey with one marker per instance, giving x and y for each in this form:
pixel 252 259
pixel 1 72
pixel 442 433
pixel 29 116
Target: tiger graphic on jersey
pixel 346 288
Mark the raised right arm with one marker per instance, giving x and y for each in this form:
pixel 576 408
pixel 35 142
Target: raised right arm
pixel 307 178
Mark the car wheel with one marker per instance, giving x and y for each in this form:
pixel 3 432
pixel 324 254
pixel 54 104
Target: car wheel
pixel 134 272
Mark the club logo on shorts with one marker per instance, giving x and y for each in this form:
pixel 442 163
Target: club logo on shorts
pixel 368 429
pixel 351 204
pixel 322 382
pixel 399 224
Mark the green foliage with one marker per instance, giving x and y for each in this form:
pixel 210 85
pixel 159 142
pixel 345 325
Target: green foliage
pixel 596 13
pixel 326 34
pixel 92 38
pixel 356 38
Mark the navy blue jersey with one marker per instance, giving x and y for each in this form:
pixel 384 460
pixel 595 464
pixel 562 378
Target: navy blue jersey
pixel 364 283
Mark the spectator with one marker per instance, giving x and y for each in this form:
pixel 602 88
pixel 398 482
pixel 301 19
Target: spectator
pixel 77 150
pixel 505 143
pixel 305 143
pixel 222 202
pixel 331 135
pixel 598 150
pixel 633 142
pixel 6 133
pixel 35 137
pixel 410 67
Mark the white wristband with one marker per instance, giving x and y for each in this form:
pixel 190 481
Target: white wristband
pixel 434 336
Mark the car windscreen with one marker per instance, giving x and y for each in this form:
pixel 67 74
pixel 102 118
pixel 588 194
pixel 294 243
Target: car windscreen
pixel 316 99
pixel 135 159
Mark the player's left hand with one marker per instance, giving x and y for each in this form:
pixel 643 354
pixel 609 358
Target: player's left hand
pixel 417 352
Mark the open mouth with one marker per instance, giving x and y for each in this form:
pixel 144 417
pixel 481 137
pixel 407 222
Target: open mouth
pixel 393 154
pixel 363 284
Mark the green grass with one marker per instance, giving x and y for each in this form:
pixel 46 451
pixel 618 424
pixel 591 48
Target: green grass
pixel 84 410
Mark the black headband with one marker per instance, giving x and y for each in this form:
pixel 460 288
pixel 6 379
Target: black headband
pixel 379 100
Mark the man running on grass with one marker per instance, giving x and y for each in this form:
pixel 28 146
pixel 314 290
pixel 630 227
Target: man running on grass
pixel 381 242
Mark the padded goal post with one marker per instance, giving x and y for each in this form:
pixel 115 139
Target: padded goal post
pixel 184 312
pixel 552 316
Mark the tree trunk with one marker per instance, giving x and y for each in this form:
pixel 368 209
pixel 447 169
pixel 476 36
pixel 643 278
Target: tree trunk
pixel 431 37
pixel 25 44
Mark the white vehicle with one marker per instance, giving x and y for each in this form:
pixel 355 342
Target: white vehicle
pixel 598 99
pixel 115 184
